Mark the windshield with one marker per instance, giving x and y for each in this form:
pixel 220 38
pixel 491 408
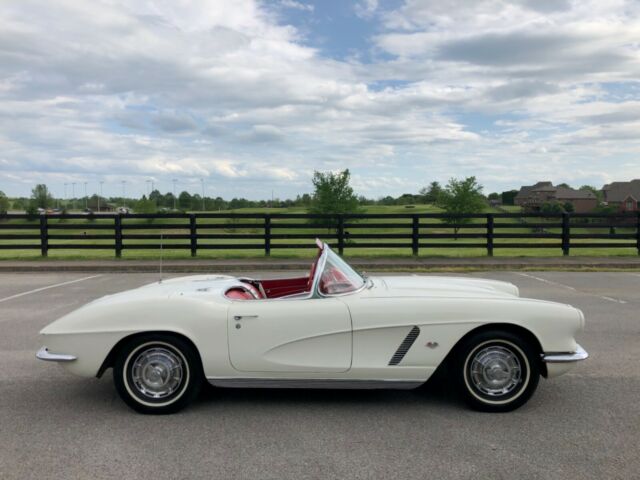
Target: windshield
pixel 338 277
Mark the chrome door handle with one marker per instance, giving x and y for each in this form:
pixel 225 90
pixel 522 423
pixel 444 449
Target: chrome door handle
pixel 243 317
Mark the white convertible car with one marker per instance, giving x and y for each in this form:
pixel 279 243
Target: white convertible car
pixel 331 329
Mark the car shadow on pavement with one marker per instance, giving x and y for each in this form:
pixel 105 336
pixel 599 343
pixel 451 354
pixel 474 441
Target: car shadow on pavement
pixel 436 392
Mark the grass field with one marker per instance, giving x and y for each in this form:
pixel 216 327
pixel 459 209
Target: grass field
pixel 226 229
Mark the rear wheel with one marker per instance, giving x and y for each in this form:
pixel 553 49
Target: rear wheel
pixel 157 373
pixel 496 371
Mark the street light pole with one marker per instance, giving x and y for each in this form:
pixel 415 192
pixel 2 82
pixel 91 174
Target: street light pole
pixel 202 182
pixel 174 193
pixel 101 182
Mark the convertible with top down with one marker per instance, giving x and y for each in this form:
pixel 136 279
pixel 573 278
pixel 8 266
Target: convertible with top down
pixel 333 328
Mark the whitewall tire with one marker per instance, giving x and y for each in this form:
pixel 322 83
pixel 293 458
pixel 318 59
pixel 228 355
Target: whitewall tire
pixel 157 373
pixel 496 371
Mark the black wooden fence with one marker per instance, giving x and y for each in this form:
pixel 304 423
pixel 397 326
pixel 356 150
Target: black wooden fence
pixel 264 231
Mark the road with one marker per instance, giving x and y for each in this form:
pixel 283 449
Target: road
pixel 583 425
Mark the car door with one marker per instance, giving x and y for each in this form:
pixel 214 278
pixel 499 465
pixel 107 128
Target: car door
pixel 290 335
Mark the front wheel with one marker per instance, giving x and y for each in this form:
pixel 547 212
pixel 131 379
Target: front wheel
pixel 157 373
pixel 496 371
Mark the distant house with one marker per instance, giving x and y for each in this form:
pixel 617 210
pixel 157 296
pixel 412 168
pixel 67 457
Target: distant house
pixel 624 196
pixel 532 198
pixel 103 206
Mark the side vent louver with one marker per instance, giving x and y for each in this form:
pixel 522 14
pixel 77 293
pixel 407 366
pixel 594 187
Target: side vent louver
pixel 405 346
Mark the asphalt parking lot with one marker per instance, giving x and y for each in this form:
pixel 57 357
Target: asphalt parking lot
pixel 583 425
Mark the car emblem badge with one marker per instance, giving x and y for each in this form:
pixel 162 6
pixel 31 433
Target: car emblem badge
pixel 431 344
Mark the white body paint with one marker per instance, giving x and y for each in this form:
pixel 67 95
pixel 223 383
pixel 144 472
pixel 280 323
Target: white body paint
pixel 350 337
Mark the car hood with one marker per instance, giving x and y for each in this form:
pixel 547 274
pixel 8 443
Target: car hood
pixel 442 286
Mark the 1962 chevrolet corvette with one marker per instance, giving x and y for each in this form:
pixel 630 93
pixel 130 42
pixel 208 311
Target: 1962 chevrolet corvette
pixel 331 329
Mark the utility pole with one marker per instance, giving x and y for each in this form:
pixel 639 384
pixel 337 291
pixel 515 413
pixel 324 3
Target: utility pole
pixel 100 195
pixel 174 193
pixel 202 183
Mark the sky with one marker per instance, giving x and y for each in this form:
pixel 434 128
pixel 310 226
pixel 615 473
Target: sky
pixel 249 97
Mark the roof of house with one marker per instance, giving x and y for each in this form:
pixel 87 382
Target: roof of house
pixel 560 193
pixel 564 193
pixel 619 191
pixel 525 191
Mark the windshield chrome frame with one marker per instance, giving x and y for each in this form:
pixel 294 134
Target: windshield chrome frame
pixel 320 268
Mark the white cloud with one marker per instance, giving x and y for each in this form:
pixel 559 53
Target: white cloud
pixel 366 8
pixel 297 5
pixel 506 91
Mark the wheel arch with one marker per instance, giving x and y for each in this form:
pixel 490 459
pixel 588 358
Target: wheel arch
pixel 110 359
pixel 526 334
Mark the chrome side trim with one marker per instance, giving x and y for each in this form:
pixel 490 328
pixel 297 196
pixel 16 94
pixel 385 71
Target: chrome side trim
pixel 578 355
pixel 317 383
pixel 44 354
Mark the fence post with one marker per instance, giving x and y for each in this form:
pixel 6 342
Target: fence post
pixel 267 234
pixel 638 232
pixel 340 234
pixel 118 233
pixel 44 236
pixel 193 234
pixel 490 234
pixel 415 232
pixel 565 233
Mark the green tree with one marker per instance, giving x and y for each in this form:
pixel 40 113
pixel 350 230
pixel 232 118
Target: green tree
pixel 145 205
pixel 4 203
pixel 184 201
pixel 41 196
pixel 461 197
pixel 20 204
pixel 32 208
pixel 508 197
pixel 431 194
pixel 590 188
pixel 551 207
pixel 332 195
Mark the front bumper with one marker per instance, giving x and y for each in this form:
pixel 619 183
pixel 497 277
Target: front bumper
pixel 578 355
pixel 44 354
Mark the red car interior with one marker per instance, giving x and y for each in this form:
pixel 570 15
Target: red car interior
pixel 331 276
pixel 275 288
pixel 238 293
pixel 285 286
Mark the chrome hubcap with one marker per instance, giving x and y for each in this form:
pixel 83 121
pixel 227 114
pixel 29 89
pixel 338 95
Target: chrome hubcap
pixel 157 372
pixel 495 371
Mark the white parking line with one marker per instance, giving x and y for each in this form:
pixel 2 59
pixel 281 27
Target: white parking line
pixel 568 287
pixel 17 295
pixel 544 280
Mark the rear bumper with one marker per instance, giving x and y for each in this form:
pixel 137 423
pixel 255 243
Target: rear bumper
pixel 47 356
pixel 569 357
